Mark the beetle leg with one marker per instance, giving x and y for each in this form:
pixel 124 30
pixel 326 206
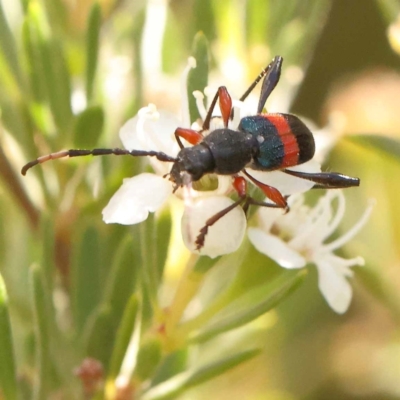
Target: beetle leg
pixel 326 180
pixel 252 202
pixel 272 193
pixel 192 136
pixel 211 221
pixel 240 185
pixel 225 104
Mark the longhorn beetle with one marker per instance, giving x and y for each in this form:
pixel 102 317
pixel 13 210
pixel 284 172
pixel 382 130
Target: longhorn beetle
pixel 264 142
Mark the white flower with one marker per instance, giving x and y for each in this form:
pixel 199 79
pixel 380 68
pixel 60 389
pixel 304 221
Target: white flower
pixel 297 238
pixel 154 130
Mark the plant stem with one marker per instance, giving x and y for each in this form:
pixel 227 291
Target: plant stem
pixel 187 288
pixel 14 186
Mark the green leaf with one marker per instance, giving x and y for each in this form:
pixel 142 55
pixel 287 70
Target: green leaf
pixel 92 48
pixel 48 245
pixel 172 365
pixel 86 276
pixel 123 336
pixel 48 341
pixel 48 63
pixel 41 301
pixel 9 50
pixel 149 356
pixel 58 83
pixel 8 380
pixel 57 15
pixel 137 34
pixel 204 264
pixel 386 145
pixel 178 384
pixel 88 127
pixel 99 335
pixel 32 52
pixel 122 279
pixel 149 266
pixel 251 305
pixel 163 232
pixel 203 19
pixel 198 77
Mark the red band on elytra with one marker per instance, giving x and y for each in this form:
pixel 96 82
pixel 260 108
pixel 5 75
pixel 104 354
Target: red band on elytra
pixel 288 138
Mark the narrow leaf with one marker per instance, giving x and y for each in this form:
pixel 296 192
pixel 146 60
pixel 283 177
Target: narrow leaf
pixel 124 334
pixel 99 335
pixel 149 356
pixel 198 77
pixel 175 363
pixel 9 50
pixel 251 305
pixel 8 380
pixel 86 276
pixel 92 48
pixel 204 264
pixel 59 85
pixel 49 60
pixel 164 226
pixel 178 384
pixel 47 257
pixel 57 15
pixel 217 368
pixel 149 273
pixel 122 279
pixel 40 311
pixel 88 127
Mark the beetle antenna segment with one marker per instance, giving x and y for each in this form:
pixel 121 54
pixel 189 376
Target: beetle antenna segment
pixel 326 180
pixel 97 152
pixel 276 64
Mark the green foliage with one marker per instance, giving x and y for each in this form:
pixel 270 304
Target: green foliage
pixel 92 48
pixel 8 381
pixel 71 73
pixel 88 127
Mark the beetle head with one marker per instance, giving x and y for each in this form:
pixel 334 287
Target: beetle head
pixel 191 164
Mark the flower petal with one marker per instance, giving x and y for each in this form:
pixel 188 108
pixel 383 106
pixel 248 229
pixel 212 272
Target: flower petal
pixel 224 237
pixel 151 130
pixel 288 184
pixel 333 284
pixel 135 198
pixel 276 249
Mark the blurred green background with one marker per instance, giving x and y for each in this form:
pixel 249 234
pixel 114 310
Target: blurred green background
pixel 72 72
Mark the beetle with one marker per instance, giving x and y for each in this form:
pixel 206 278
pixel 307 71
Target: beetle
pixel 264 142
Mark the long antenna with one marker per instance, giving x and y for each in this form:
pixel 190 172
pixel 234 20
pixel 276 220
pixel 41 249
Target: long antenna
pixel 97 152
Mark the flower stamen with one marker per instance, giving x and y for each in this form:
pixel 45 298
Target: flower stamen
pixel 353 231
